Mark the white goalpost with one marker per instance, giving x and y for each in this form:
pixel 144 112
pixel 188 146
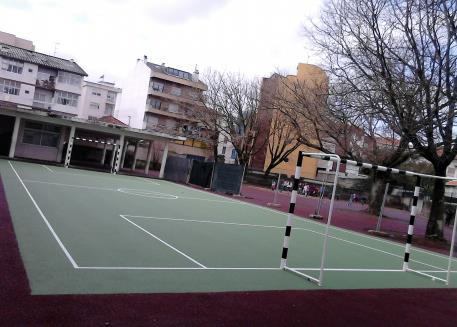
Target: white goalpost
pixel 339 161
pixel 293 200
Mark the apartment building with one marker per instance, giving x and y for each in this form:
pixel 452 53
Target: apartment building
pixel 310 75
pixel 36 80
pixel 226 149
pixel 98 99
pixel 13 40
pixel 165 99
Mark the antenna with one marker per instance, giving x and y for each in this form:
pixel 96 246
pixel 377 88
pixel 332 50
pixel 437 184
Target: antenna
pixel 55 47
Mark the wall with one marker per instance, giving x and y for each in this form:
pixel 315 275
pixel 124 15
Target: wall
pixel 134 94
pixel 37 152
pixel 309 165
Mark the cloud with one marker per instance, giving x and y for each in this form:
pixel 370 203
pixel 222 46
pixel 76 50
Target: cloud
pixel 180 11
pixel 107 36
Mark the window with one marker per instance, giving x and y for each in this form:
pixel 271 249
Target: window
pixel 233 156
pixel 67 98
pixel 154 103
pixel 42 96
pixel 92 118
pixel 173 107
pixel 225 139
pixel 94 105
pixel 10 87
pixel 156 86
pixel 69 78
pixel 223 150
pixel 98 94
pixel 178 73
pixel 45 74
pixel 109 109
pixel 41 134
pixel 175 91
pixel 111 97
pixel 12 66
pixel 193 95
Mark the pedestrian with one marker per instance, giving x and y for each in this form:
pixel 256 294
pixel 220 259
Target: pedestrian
pixel 351 199
pixel 306 190
pixel 273 185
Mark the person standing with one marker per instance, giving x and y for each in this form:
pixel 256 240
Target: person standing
pixel 351 199
pixel 306 190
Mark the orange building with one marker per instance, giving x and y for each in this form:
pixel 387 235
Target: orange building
pixel 308 75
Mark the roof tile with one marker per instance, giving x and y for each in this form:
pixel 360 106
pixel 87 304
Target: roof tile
pixel 40 59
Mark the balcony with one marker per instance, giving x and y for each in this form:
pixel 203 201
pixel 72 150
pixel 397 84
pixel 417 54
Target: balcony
pixel 42 105
pixel 177 80
pixel 48 84
pixel 169 96
pixel 165 112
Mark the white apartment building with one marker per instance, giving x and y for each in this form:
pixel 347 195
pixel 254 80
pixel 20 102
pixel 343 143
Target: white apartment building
pixel 225 148
pixel 98 100
pixel 35 80
pixel 158 98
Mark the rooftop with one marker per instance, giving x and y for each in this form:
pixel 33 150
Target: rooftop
pixel 171 71
pixel 40 59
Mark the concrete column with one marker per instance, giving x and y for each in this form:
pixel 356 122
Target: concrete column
pixel 135 154
pixel 148 160
pixel 117 161
pixel 61 144
pixel 104 153
pixel 124 152
pixel 70 146
pixel 113 156
pixel 17 122
pixel 164 161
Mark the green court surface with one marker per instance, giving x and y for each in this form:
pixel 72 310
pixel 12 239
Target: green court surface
pixel 89 232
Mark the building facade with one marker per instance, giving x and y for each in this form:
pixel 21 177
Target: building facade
pixel 36 80
pixel 225 149
pixel 15 41
pixel 310 75
pixel 98 100
pixel 164 99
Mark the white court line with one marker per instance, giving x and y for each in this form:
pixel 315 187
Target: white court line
pixel 282 227
pixel 209 200
pixel 148 193
pixel 162 241
pixel 125 190
pixel 64 249
pixel 71 185
pixel 47 168
pixel 255 268
pixel 302 219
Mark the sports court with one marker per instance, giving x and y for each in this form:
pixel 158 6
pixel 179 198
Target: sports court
pixel 89 232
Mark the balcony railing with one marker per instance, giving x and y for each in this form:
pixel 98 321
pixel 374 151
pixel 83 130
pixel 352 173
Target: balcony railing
pixel 41 104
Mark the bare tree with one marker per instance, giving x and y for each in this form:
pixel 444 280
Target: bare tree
pixel 404 51
pixel 281 136
pixel 324 115
pixel 231 107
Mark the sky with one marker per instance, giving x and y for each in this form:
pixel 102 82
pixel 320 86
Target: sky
pixel 105 37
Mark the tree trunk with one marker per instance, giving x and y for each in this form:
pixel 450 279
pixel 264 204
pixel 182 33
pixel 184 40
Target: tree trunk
pixel 377 193
pixel 267 171
pixel 435 220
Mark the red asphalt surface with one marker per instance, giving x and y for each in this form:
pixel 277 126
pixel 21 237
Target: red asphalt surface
pixel 388 307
